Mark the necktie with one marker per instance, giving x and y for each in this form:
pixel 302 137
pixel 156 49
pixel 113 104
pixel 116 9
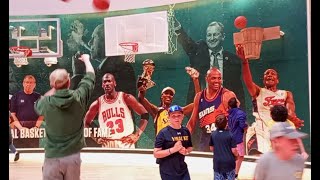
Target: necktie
pixel 215 60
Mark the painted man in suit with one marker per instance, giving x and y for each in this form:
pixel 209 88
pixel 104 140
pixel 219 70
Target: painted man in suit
pixel 205 54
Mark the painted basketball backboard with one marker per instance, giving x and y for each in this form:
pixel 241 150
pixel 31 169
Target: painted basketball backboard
pixel 149 30
pixel 42 36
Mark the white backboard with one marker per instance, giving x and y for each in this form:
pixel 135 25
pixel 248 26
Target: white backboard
pixel 149 30
pixel 42 36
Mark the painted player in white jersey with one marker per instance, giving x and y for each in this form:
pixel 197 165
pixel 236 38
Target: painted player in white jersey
pixel 263 99
pixel 115 117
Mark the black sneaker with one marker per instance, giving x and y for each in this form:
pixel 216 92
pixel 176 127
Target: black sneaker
pixel 16 156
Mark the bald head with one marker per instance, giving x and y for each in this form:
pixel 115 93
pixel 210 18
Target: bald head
pixel 270 78
pixel 59 79
pixel 108 83
pixel 213 70
pixel 108 75
pixel 273 71
pixel 214 79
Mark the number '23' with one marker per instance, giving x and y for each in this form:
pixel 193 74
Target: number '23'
pixel 116 126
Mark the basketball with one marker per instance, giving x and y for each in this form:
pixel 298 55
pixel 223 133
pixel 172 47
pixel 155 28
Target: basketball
pixel 240 22
pixel 101 4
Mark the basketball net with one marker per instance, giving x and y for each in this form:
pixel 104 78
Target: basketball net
pixel 172 35
pixel 252 41
pixel 24 51
pixel 130 49
pixel 253 37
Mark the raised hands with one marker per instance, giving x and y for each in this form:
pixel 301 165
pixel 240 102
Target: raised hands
pixel 192 72
pixel 240 52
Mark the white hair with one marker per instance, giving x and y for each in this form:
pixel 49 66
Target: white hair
pixel 58 78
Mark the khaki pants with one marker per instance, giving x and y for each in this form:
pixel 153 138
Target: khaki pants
pixel 66 168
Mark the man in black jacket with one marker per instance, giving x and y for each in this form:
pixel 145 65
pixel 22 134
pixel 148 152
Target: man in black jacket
pixel 208 53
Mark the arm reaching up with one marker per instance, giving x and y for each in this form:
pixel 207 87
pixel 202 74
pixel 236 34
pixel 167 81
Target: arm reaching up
pixel 151 108
pixel 194 116
pixel 253 89
pixel 194 74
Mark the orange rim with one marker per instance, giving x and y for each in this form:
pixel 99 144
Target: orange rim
pixel 134 46
pixel 26 50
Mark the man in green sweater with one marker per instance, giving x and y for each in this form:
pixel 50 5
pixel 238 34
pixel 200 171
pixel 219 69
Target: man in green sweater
pixel 63 110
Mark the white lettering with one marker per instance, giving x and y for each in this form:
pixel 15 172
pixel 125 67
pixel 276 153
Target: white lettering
pixel 101 132
pixel 32 133
pixel 206 111
pixel 87 132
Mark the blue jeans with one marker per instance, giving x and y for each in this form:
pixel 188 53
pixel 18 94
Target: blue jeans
pixel 12 148
pixel 231 175
pixel 66 168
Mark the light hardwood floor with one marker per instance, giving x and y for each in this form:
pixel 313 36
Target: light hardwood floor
pixel 122 166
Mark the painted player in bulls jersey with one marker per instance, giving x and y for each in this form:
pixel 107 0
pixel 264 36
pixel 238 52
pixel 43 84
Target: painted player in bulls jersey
pixel 114 114
pixel 209 103
pixel 263 99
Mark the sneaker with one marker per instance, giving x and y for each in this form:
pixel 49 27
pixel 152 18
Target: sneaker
pixel 16 156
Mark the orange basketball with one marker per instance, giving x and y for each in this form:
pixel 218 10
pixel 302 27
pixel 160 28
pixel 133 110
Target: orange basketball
pixel 101 4
pixel 240 22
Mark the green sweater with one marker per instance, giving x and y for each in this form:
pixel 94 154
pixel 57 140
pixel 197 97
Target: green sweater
pixel 64 113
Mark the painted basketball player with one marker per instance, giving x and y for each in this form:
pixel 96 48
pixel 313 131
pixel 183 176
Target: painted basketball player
pixel 114 114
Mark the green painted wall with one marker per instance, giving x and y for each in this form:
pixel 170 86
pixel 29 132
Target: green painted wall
pixel 288 55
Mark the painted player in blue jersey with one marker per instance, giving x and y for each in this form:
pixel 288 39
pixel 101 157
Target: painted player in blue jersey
pixel 209 103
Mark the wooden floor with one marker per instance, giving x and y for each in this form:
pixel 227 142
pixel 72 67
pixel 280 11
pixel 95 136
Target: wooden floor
pixel 122 166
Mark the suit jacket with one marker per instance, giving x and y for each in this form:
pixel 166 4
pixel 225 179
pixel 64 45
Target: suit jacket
pixel 198 53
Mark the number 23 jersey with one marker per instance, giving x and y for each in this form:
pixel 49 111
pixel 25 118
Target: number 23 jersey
pixel 116 116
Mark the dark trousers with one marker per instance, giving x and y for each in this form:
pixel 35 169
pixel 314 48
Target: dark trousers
pixel 185 176
pixel 11 146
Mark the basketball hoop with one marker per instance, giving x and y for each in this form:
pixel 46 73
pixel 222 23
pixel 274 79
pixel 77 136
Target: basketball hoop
pixel 252 39
pixel 22 50
pixel 130 49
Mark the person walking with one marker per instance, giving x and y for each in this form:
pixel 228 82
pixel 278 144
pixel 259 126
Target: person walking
pixel 283 161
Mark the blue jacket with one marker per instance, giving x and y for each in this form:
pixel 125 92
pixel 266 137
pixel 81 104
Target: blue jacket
pixel 237 123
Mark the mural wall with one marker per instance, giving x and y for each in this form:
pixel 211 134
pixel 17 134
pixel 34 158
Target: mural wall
pixel 287 55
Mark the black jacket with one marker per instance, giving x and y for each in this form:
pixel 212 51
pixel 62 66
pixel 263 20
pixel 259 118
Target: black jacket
pixel 198 53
